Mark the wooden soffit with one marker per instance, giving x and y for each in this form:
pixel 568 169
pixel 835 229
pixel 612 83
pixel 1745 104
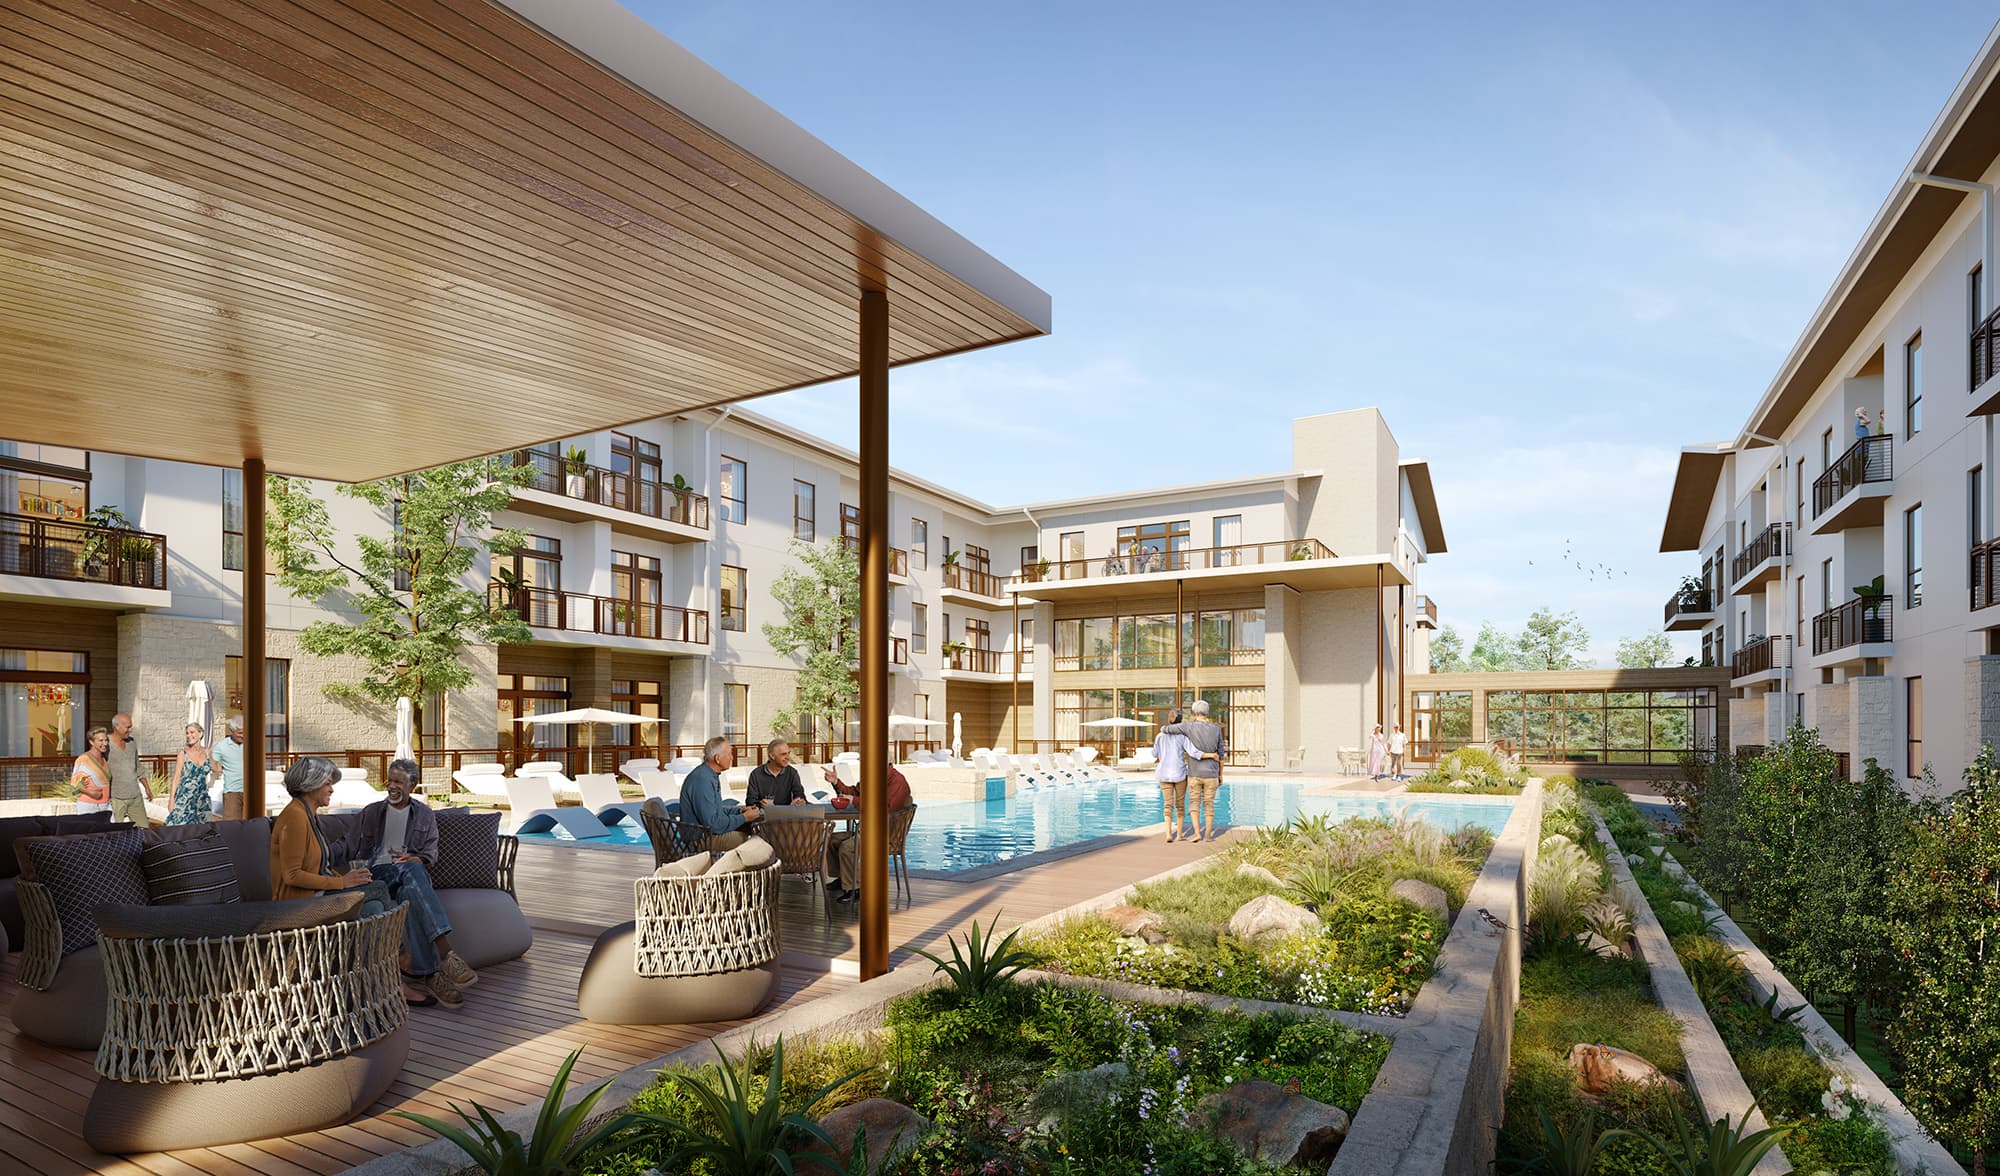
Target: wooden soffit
pixel 1694 488
pixel 360 238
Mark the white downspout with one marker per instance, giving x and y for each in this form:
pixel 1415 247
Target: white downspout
pixel 1785 560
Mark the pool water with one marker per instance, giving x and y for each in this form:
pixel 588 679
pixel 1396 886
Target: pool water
pixel 979 833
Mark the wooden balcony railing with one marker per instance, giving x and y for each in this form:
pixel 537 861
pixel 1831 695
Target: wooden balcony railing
pixel 1689 600
pixel 980 661
pixel 1860 621
pixel 52 549
pixel 899 651
pixel 1867 460
pixel 1773 541
pixel 1427 609
pixel 620 491
pixel 578 612
pixel 1143 559
pixel 1986 574
pixel 899 560
pixel 1765 653
pixel 1985 350
pixel 974 581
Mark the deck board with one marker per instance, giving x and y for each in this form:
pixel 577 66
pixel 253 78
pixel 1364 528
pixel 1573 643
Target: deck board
pixel 520 1021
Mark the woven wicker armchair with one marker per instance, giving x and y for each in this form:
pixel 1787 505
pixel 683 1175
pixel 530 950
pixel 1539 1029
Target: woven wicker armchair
pixel 699 949
pixel 801 849
pixel 213 1041
pixel 899 839
pixel 672 838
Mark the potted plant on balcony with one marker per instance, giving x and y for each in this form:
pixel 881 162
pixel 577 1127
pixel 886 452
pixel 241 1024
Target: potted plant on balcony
pixel 137 552
pixel 1300 551
pixel 951 650
pixel 681 490
pixel 1874 609
pixel 575 464
pixel 510 585
pixel 104 525
pixel 1041 569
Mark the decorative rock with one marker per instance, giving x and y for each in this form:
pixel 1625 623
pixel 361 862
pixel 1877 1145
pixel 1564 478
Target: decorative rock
pixel 1136 923
pixel 1267 914
pixel 1462 785
pixel 1268 1123
pixel 1259 873
pixel 1598 1066
pixel 1594 942
pixel 1633 859
pixel 1685 908
pixel 1076 1088
pixel 1422 894
pixel 891 1130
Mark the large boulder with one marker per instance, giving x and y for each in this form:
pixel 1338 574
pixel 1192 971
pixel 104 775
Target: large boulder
pixel 1423 894
pixel 1271 1124
pixel 892 1129
pixel 1269 915
pixel 1136 923
pixel 1076 1088
pixel 1260 873
pixel 1598 1066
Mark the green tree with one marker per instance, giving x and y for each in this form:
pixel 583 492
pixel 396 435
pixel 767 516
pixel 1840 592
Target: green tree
pixel 1553 641
pixel 1645 653
pixel 820 597
pixel 1448 652
pixel 1944 922
pixel 1494 650
pixel 410 637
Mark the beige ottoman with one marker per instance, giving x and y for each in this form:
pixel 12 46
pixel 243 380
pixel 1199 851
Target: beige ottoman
pixel 701 949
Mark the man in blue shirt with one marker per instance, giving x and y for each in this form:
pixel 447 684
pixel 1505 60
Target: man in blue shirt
pixel 227 761
pixel 703 803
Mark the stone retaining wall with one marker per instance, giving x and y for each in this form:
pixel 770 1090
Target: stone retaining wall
pixel 1436 1106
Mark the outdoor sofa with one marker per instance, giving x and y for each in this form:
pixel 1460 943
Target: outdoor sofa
pixel 13 829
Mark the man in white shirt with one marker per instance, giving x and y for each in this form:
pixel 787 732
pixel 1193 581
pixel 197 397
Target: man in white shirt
pixel 1398 743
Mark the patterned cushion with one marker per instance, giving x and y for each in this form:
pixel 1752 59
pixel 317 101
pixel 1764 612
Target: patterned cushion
pixel 468 851
pixel 85 872
pixel 214 921
pixel 195 872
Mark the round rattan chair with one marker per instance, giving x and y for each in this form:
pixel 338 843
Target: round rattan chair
pixel 698 949
pixel 211 1041
pixel 672 838
pixel 801 848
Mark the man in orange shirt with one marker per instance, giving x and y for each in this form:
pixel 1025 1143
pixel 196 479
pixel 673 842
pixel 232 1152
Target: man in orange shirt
pixel 843 850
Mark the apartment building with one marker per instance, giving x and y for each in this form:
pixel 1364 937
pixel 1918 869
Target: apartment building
pixel 1846 580
pixel 1287 601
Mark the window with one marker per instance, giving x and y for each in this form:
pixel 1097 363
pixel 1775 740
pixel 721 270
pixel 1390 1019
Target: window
pixel 639 698
pixel 1801 598
pixel 920 706
pixel 1975 501
pixel 1913 386
pixel 805 511
pixel 920 628
pixel 1024 643
pixel 522 695
pixel 1799 477
pixel 1825 452
pixel 635 468
pixel 1601 726
pixel 735 711
pixel 735 583
pixel 978 634
pixel 1826 585
pixel 1975 298
pixel 1030 556
pixel 44 706
pixel 44 481
pixel 1071 546
pixel 431 722
pixel 1913 703
pixel 232 520
pixel 850 527
pixel 1228 533
pixel 634 609
pixel 277 700
pixel 1913 556
pixel 977 559
pixel 735 487
pixel 1155 547
pixel 947 626
pixel 1440 722
pixel 920 544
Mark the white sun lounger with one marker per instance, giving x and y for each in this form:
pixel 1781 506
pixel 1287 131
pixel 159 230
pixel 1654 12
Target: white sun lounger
pixel 533 801
pixel 631 768
pixel 601 796
pixel 351 791
pixel 1086 759
pixel 479 777
pixel 540 768
pixel 1141 759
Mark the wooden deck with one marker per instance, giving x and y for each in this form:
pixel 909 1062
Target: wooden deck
pixel 519 1022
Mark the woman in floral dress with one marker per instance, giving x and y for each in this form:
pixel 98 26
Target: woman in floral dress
pixel 191 772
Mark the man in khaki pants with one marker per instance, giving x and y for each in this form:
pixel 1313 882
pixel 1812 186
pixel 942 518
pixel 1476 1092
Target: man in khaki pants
pixel 228 760
pixel 129 790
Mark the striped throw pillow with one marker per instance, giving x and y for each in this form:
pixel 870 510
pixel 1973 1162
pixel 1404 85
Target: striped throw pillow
pixel 195 872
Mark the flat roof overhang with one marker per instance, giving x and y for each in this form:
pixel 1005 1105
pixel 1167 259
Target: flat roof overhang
pixel 357 239
pixel 1306 575
pixel 1694 487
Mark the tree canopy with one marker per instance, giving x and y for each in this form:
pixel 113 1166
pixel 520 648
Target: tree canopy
pixel 1550 642
pixel 1645 653
pixel 820 597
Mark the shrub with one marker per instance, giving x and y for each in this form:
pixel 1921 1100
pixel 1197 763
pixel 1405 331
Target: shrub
pixel 1472 770
pixel 1566 881
pixel 1713 967
pixel 1787 1081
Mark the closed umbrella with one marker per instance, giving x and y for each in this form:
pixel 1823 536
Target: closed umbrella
pixel 1117 723
pixel 956 732
pixel 591 715
pixel 406 728
pixel 197 700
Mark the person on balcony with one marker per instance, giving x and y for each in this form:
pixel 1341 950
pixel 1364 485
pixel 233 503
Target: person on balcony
pixel 1860 423
pixel 191 772
pixel 843 849
pixel 703 803
pixel 91 775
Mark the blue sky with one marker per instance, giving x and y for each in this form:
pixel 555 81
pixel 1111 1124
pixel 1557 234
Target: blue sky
pixel 1552 245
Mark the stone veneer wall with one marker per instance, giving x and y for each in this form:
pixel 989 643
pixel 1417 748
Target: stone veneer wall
pixel 1746 720
pixel 1872 706
pixel 1982 704
pixel 1437 1104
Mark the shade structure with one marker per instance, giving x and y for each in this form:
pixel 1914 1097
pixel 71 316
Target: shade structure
pixel 588 717
pixel 198 710
pixel 912 722
pixel 406 729
pixel 356 239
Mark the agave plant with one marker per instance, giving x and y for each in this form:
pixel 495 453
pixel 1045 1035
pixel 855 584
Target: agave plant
pixel 1779 1014
pixel 1566 1153
pixel 1721 1150
pixel 746 1135
pixel 559 1143
pixel 984 966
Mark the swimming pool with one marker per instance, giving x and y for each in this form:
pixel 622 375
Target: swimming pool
pixel 967 835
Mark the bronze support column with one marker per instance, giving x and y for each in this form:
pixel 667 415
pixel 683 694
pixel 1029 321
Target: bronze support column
pixel 1381 709
pixel 255 705
pixel 874 369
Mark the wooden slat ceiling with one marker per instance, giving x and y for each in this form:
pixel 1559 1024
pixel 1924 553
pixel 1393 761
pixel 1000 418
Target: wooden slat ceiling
pixel 361 238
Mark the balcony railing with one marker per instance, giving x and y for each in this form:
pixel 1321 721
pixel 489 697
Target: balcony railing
pixel 1689 600
pixel 578 612
pixel 974 581
pixel 1867 460
pixel 1427 610
pixel 1772 542
pixel 1861 621
pixel 899 560
pixel 620 491
pixel 1985 350
pixel 1142 559
pixel 1986 574
pixel 978 661
pixel 53 549
pixel 1765 653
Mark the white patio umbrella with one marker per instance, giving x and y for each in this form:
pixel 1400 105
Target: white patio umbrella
pixel 406 728
pixel 910 723
pixel 591 715
pixel 1117 723
pixel 197 700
